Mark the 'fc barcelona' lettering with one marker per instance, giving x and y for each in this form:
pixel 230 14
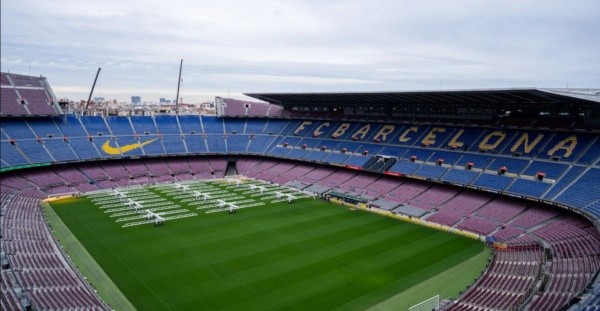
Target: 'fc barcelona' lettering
pixel 318 131
pixel 454 141
pixel 362 132
pixel 302 126
pixel 341 130
pixel 525 142
pixel 568 145
pixel 485 143
pixel 430 137
pixel 403 137
pixel 384 131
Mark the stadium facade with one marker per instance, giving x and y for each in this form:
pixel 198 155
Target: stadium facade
pixel 516 167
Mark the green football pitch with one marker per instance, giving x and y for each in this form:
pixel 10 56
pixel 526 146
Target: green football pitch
pixel 269 255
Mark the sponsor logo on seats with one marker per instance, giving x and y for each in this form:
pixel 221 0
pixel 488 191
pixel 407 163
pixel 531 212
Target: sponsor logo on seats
pixel 108 149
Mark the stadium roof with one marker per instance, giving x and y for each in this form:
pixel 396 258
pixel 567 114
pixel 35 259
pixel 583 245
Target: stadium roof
pixel 491 97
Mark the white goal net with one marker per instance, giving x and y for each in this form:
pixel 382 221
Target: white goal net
pixel 432 303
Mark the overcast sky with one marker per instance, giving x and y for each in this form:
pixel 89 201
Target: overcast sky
pixel 299 46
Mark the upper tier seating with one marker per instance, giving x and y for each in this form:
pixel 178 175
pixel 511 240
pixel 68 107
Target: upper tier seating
pixel 26 96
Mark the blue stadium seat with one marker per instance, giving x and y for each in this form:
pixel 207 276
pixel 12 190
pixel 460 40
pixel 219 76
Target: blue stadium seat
pixel 17 129
pixel 492 181
pixel 34 151
pixel 71 127
pixel 143 125
pixel 167 125
pixel 532 188
pixel 60 150
pixel 153 148
pixel 356 160
pixel 310 143
pixel 189 124
pixel 431 171
pixel 260 143
pixel 4 136
pixel 275 126
pixel 398 152
pixel 84 148
pixel 464 177
pixel 594 208
pixel 592 154
pixel 95 125
pixel 11 155
pixel 297 153
pixel 255 126
pixel 449 157
pixel 513 165
pixel 337 158
pixel 372 148
pixel 552 170
pixel 316 155
pixel 44 128
pixel 583 191
pixel 237 142
pixel 350 146
pixel 564 182
pixel 216 144
pixel 292 141
pixel 120 126
pixel 480 161
pixel 279 151
pixel 212 125
pixel 404 167
pixel 234 125
pixel 173 144
pixel 421 154
pixel 195 143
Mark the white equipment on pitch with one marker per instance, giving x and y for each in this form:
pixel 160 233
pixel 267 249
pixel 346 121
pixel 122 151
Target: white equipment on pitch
pixel 278 195
pixel 158 220
pixel 222 203
pixel 120 195
pixel 290 198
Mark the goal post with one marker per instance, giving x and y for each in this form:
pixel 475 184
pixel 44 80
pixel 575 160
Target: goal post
pixel 432 303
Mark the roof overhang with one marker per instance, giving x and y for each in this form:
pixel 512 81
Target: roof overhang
pixel 484 97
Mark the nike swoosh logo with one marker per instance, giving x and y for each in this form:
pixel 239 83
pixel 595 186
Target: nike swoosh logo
pixel 108 149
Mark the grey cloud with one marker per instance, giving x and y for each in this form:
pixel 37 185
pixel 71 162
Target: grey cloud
pixel 301 45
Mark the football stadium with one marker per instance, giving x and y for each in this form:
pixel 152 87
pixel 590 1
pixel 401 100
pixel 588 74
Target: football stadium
pixel 485 199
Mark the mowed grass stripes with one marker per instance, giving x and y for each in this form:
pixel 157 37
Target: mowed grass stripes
pixel 308 255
